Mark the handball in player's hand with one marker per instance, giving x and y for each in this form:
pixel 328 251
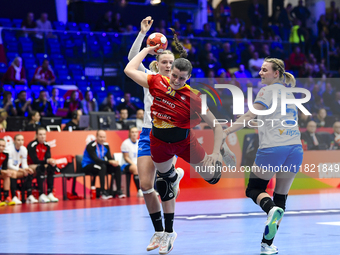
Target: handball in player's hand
pixel 157 38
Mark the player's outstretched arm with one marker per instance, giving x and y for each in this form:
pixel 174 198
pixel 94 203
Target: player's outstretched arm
pixel 144 28
pixel 131 69
pixel 244 119
pixel 218 131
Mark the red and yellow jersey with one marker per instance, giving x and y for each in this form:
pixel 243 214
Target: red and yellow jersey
pixel 173 108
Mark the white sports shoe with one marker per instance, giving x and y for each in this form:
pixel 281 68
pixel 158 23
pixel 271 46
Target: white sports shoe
pixel 155 241
pixel 31 200
pixel 16 200
pixel 274 215
pixel 175 185
pixel 44 199
pixel 140 193
pixel 52 198
pixel 167 242
pixel 228 156
pixel 266 249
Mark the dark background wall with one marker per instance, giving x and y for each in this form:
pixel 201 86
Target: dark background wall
pixel 18 9
pixel 89 12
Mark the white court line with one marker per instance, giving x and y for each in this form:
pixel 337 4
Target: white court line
pixel 253 214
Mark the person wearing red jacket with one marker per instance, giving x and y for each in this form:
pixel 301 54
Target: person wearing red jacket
pixel 15 73
pixel 43 74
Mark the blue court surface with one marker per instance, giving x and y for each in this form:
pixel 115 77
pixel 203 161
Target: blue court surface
pixel 311 225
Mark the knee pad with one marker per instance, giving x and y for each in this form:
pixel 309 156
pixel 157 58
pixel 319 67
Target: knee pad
pixel 256 186
pixel 164 186
pixel 280 200
pixel 217 174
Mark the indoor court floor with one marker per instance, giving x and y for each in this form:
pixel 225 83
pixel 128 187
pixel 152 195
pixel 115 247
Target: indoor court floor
pixel 311 225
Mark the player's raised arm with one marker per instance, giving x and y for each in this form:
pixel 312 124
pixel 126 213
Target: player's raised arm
pixel 131 69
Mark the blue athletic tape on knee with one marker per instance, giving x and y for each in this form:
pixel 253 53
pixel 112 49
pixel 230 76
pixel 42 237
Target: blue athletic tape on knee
pixel 256 186
pixel 217 174
pixel 280 200
pixel 164 188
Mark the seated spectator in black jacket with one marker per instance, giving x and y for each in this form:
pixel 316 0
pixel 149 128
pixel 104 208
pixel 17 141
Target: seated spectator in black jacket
pixel 303 120
pixel 73 124
pixel 335 107
pixel 108 104
pixel 23 105
pixel 336 135
pixel 127 104
pixel 97 160
pixel 7 104
pixel 312 138
pixel 42 105
pixel 322 119
pixel 123 115
pixel 228 59
pixel 33 121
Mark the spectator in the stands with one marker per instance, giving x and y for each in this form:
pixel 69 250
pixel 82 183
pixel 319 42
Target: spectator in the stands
pixel 73 103
pixel 33 121
pixel 297 59
pixel 255 64
pixel 334 54
pixel 336 135
pixel 22 104
pixel 43 105
pixel 228 58
pixel 189 30
pixel 106 23
pixel 310 137
pixel 44 74
pixel 210 64
pixel 328 96
pixel 108 104
pixel 301 13
pixel 127 104
pixel 303 120
pixel 257 14
pixel 335 106
pixel 193 57
pixel 7 104
pixel 264 52
pixel 207 31
pixel 140 119
pixel 203 53
pixel 247 54
pixel 44 26
pixel 123 115
pixel 56 101
pixel 242 72
pixel 321 119
pixel 235 27
pixel 118 24
pixel 89 103
pixel 331 10
pixel 29 23
pixel 285 22
pixel 15 73
pixel 73 124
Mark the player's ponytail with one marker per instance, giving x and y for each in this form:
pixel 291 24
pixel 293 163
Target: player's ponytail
pixel 285 77
pixel 179 47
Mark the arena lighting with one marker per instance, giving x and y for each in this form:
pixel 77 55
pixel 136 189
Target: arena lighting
pixel 154 2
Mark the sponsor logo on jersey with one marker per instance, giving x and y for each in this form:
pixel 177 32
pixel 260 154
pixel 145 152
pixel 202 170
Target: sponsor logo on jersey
pixel 172 105
pixel 290 132
pixel 183 97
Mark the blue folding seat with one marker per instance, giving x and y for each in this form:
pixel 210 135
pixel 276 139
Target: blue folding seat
pixel 17 22
pixel 59 25
pixel 84 27
pixel 72 26
pixel 3 68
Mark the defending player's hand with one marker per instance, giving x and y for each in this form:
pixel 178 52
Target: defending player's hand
pixel 146 24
